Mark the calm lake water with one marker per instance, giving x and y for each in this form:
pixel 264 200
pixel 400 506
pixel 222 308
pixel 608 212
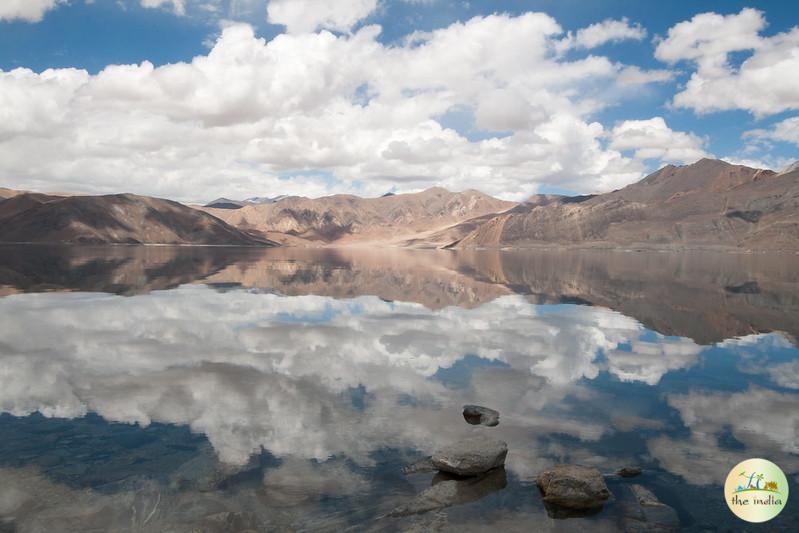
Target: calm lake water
pixel 223 389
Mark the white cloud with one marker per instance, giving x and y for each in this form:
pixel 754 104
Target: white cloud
pixel 607 31
pixel 766 82
pixel 632 75
pixel 256 370
pixel 27 10
pixel 302 16
pixel 765 421
pixel 350 113
pixel 653 139
pixel 179 6
pixel 785 131
pixel 649 361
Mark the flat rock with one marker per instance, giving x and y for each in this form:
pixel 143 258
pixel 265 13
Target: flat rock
pixel 479 415
pixel 573 487
pixel 471 456
pixel 629 471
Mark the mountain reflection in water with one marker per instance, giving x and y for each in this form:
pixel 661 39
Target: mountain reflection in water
pixel 228 389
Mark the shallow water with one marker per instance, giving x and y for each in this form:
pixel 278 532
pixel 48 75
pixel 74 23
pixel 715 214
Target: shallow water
pixel 181 389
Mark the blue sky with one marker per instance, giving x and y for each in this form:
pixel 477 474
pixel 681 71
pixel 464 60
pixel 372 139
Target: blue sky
pixel 93 35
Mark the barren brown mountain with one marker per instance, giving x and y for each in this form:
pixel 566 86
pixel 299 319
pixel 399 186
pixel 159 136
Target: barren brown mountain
pixel 8 193
pixel 704 205
pixel 347 219
pixel 118 218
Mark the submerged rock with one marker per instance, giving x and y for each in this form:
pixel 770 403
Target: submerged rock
pixel 643 512
pixel 448 490
pixel 573 487
pixel 559 512
pixel 479 415
pixel 629 471
pixel 471 456
pixel 644 496
pixel 419 467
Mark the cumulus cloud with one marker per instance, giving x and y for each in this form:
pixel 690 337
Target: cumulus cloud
pixel 649 361
pixel 345 112
pixel 26 10
pixel 301 16
pixel 607 31
pixel 784 131
pixel 763 420
pixel 765 83
pixel 653 139
pixel 256 370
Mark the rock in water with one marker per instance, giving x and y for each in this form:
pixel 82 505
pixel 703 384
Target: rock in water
pixel 476 414
pixel 471 456
pixel 573 486
pixel 629 471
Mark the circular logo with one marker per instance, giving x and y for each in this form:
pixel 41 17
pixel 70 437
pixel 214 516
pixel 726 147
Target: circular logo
pixel 756 490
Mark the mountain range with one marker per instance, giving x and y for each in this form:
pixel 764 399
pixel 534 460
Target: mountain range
pixel 708 204
pixel 113 219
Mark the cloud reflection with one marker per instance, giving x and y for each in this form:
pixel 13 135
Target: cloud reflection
pixel 255 371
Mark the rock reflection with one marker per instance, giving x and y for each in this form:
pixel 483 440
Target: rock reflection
pixel 255 371
pixel 705 296
pixel 305 406
pixel 448 490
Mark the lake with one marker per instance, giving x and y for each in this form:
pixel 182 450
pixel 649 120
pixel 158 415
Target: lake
pixel 232 389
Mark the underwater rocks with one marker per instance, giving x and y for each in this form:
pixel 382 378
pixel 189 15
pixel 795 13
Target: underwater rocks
pixel 479 415
pixel 573 487
pixel 629 471
pixel 643 512
pixel 471 456
pixel 419 467
pixel 448 490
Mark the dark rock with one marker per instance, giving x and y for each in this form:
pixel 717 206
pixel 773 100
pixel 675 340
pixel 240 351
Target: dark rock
pixel 471 456
pixel 448 490
pixel 629 471
pixel 750 287
pixel 573 486
pixel 478 415
pixel 749 216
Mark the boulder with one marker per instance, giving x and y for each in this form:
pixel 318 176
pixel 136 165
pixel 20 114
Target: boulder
pixel 471 456
pixel 629 471
pixel 573 487
pixel 479 415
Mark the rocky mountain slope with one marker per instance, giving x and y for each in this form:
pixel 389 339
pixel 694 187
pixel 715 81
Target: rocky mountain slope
pixel 8 193
pixel 118 218
pixel 348 219
pixel 707 204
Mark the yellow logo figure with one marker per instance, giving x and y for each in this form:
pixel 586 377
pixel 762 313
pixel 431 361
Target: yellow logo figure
pixel 756 490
